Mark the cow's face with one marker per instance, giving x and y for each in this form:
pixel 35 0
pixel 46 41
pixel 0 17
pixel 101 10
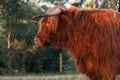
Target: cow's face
pixel 47 27
pixel 55 20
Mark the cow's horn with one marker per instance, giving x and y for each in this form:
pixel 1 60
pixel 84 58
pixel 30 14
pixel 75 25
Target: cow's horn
pixel 53 13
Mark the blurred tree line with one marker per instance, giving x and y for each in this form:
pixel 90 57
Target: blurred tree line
pixel 18 53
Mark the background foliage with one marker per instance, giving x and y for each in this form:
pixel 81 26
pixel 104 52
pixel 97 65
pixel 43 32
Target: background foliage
pixel 18 53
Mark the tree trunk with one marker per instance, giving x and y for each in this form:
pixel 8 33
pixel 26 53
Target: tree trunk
pixel 95 4
pixel 119 5
pixel 23 63
pixel 9 51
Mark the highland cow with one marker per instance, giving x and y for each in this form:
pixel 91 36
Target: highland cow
pixel 92 36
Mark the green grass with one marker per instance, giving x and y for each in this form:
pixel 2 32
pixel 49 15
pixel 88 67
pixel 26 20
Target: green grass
pixel 44 77
pixel 40 74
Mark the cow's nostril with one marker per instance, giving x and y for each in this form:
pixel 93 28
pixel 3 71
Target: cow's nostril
pixel 35 39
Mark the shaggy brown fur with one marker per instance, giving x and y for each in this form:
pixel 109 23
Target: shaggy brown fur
pixel 91 35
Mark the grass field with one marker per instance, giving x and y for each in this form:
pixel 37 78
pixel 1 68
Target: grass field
pixel 46 77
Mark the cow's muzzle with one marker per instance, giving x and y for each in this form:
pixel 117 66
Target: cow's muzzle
pixel 38 41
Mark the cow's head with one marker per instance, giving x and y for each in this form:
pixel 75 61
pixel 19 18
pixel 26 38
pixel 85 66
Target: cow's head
pixel 56 18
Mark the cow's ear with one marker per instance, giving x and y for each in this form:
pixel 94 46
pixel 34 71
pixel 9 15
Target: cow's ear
pixel 66 14
pixel 65 19
pixel 72 9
